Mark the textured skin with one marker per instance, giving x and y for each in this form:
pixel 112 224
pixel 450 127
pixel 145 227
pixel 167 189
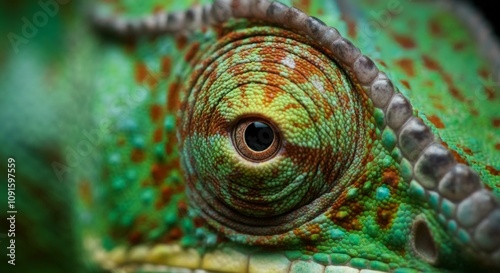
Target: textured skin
pixel 161 113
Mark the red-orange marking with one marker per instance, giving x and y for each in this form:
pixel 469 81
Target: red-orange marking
pixel 495 122
pixel 137 155
pixel 157 136
pixel 405 41
pixel 406 84
pixel 407 66
pixel 435 27
pixel 155 112
pixel 166 65
pixel 436 121
pixel 492 170
pixel 141 72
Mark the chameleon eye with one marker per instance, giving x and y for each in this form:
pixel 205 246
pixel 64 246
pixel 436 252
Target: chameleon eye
pixel 256 139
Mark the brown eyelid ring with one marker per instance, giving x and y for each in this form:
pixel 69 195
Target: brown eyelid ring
pixel 244 149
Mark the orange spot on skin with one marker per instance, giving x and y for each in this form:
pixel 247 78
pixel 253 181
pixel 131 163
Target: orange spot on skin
pixel 173 235
pixel 141 72
pixel 137 155
pixel 180 42
pixel 199 222
pixel 406 84
pixel 439 106
pixel 484 73
pixel 405 41
pixel 171 143
pixel 496 122
pixel 490 93
pixel 430 63
pixel 166 66
pixel 157 136
pixel 192 52
pixel 497 146
pixel 120 141
pixel 155 112
pixel 435 27
pixel 166 194
pixel 390 178
pixel 492 170
pixel 456 93
pixel 386 214
pixel 182 208
pixel 152 82
pixel 85 192
pixel 348 221
pixel 458 46
pixel 382 63
pixel 173 102
pixel 436 121
pixel 455 154
pixel 158 9
pixel 351 26
pixel 467 150
pixel 135 238
pixel 159 173
pixel 428 83
pixel 407 66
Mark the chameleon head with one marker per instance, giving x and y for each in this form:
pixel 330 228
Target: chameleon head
pixel 294 145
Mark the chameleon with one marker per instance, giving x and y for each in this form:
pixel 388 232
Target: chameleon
pixel 258 136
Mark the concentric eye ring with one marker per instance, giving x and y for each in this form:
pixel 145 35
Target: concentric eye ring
pixel 256 139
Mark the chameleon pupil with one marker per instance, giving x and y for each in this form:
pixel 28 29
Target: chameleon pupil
pixel 259 136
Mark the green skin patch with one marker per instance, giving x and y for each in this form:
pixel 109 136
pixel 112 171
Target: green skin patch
pixel 171 169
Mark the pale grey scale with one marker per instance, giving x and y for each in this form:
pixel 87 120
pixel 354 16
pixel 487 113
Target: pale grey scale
pixel 295 18
pixel 474 208
pixel 205 15
pixel 365 69
pixel 315 27
pixel 241 8
pixel 398 111
pixel 276 12
pixel 119 26
pixel 459 183
pixel 432 165
pixel 175 21
pixel 487 233
pixel 193 18
pixel 259 9
pixel 221 11
pixel 156 24
pixel 345 51
pixel 381 92
pixel 414 137
pixel 330 35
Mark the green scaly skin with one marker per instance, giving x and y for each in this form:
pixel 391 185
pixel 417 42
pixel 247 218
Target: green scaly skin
pixel 165 171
